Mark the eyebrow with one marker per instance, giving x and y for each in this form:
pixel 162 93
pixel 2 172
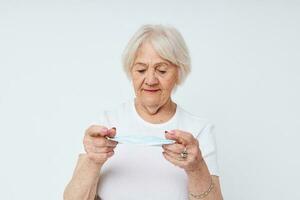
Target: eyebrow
pixel 144 64
pixel 140 63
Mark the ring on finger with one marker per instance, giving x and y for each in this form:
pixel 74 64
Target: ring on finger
pixel 184 154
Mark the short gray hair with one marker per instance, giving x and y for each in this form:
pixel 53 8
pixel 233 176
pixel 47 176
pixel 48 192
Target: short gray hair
pixel 166 41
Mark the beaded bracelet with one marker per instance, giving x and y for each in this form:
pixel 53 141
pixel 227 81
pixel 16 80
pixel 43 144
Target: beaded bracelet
pixel 204 194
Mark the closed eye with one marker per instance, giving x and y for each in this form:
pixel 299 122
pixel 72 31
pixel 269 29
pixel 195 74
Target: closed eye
pixel 162 72
pixel 141 71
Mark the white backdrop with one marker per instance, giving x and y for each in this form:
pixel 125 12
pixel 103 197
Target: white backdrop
pixel 60 64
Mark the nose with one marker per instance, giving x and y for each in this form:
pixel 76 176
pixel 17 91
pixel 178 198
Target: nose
pixel 151 78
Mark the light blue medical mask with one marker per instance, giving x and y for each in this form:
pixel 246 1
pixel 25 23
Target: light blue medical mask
pixel 142 140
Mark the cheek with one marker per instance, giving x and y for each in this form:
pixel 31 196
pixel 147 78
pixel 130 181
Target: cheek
pixel 168 84
pixel 137 81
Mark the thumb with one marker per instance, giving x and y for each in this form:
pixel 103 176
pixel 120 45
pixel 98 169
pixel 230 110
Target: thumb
pixel 174 135
pixel 111 132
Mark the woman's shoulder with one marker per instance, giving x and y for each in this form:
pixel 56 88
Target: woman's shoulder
pixel 122 107
pixel 193 122
pixel 191 117
pixel 115 112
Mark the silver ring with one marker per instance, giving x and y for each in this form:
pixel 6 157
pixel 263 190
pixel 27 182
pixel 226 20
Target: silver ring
pixel 184 154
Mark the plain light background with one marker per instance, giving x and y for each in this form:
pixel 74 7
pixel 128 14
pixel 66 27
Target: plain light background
pixel 60 65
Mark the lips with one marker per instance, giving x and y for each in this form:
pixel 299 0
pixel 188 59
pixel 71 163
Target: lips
pixel 147 90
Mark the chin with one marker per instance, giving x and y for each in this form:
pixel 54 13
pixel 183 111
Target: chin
pixel 149 101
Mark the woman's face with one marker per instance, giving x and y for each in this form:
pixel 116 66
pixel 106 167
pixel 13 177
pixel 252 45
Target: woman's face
pixel 153 77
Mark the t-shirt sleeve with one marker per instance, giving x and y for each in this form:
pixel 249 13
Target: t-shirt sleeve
pixel 207 144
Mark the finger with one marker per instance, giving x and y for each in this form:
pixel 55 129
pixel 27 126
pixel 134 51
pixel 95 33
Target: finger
pixel 176 148
pixel 172 160
pixel 178 157
pixel 96 130
pixel 104 142
pixel 172 154
pixel 112 132
pixel 172 136
pixel 179 148
pixel 96 149
pixel 87 141
pixel 87 148
pixel 181 136
pixel 103 149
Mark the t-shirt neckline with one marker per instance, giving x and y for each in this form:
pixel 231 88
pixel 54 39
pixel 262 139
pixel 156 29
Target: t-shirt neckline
pixel 170 121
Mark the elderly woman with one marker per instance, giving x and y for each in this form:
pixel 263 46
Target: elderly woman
pixel 156 60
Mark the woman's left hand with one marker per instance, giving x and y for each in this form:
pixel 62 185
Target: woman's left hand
pixel 190 161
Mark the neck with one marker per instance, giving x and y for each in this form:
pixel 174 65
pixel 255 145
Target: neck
pixel 156 113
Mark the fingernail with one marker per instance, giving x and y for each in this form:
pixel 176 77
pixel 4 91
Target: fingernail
pixel 114 128
pixel 166 131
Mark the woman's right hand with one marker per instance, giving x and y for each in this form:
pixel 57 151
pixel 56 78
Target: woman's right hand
pixel 96 144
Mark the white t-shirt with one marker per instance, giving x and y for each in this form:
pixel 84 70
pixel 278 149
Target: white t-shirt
pixel 138 172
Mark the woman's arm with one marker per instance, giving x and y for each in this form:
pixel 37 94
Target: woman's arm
pixel 200 181
pixel 201 184
pixel 83 185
